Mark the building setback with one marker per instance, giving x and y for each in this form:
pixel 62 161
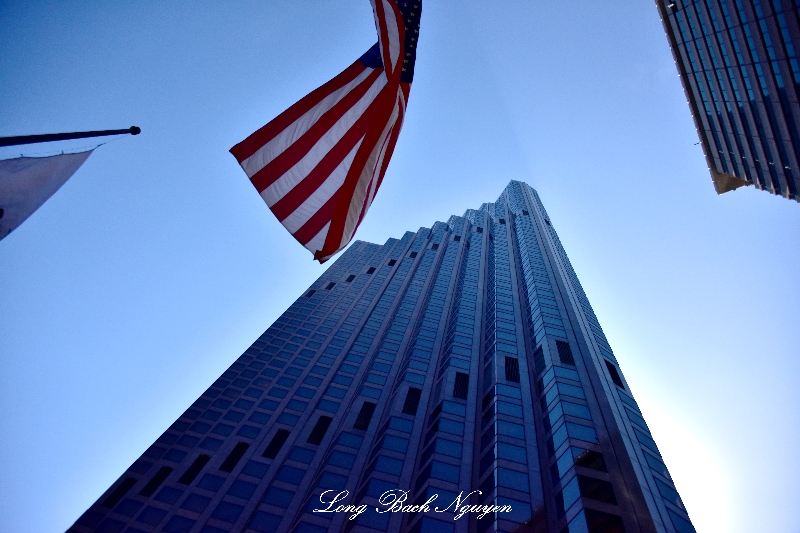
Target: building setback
pixel 738 63
pixel 462 357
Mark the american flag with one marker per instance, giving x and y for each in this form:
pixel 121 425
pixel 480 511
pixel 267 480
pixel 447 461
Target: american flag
pixel 319 164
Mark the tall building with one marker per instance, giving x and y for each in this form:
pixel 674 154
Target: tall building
pixel 464 357
pixel 738 63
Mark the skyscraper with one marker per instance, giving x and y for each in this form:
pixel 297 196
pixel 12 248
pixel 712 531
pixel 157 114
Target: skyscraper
pixel 464 357
pixel 738 63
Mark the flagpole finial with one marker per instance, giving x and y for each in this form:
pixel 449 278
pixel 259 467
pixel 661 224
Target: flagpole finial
pixel 135 130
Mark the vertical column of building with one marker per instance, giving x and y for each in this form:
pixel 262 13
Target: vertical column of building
pixel 343 458
pixel 745 128
pixel 444 466
pixel 296 455
pixel 385 454
pixel 418 370
pixel 567 429
pixel 632 458
pixel 506 467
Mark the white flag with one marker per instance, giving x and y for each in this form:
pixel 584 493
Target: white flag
pixel 27 182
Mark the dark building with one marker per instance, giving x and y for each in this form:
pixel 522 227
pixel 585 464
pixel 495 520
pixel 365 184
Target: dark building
pixel 738 63
pixel 462 357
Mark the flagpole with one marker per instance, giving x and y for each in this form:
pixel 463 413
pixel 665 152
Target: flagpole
pixel 30 139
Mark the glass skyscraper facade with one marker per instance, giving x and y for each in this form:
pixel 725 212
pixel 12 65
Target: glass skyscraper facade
pixel 465 357
pixel 738 63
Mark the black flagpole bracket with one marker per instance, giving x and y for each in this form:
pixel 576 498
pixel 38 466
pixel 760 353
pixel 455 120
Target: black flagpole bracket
pixel 31 139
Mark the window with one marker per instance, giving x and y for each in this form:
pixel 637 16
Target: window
pixel 195 503
pixel 457 238
pixel 364 416
pixel 412 401
pixel 278 497
pixel 435 246
pixel 511 452
pixel 342 460
pixel 289 474
pixel 350 278
pixel 319 430
pixel 211 482
pixel 329 286
pixel 350 440
pixel 596 489
pixel 276 444
pixel 412 255
pixel 301 455
pixel 370 270
pixel 512 369
pixel 194 469
pixel 590 459
pixel 614 375
pixel 230 462
pixel 388 465
pixel 461 386
pixel 114 498
pixel 502 221
pixel 392 262
pixel 395 443
pixel 309 294
pixel 479 229
pixel 565 353
pixel 538 360
pixel 525 212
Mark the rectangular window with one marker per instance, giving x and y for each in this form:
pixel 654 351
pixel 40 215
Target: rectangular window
pixel 512 369
pixel 236 454
pixel 364 416
pixel 612 370
pixel 194 469
pixel 435 246
pixel 412 255
pixel 329 286
pixel 350 278
pixel 525 212
pixel 370 270
pixel 590 459
pixel 412 401
pixel 479 229
pixel 502 221
pixel 309 293
pixel 596 489
pixel 114 498
pixel 461 386
pixel 156 481
pixel 319 430
pixel 276 444
pixel 565 353
pixel 457 238
pixel 538 360
pixel 301 455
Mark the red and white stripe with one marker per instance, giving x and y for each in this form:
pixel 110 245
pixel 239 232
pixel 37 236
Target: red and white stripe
pixel 319 164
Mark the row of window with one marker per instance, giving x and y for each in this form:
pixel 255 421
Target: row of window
pixel 388 455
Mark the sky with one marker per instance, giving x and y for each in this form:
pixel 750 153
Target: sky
pixel 138 283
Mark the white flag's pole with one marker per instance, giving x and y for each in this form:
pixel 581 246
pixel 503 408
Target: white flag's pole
pixel 30 139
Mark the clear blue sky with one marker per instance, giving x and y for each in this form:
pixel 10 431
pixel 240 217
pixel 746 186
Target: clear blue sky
pixel 157 264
